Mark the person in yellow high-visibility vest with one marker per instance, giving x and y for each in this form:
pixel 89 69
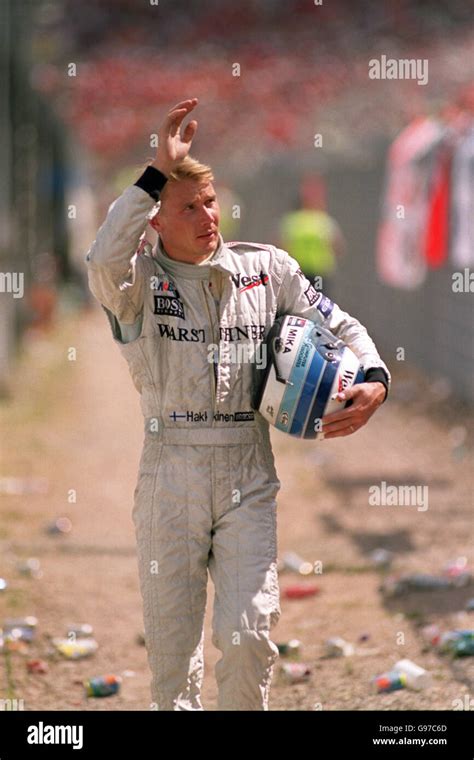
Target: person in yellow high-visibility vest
pixel 313 237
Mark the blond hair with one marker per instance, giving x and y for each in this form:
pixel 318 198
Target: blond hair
pixel 191 168
pixel 188 168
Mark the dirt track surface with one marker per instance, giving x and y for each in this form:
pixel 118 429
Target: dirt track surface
pixel 78 424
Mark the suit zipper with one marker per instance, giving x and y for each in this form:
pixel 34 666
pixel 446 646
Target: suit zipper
pixel 214 366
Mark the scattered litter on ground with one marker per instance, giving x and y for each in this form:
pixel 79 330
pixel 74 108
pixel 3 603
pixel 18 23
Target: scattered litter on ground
pixel 299 591
pixel 37 666
pixel 295 672
pixel 457 643
pixel 417 678
pixel 75 650
pixel 395 586
pixel 382 558
pixel 79 630
pixel 103 686
pixel 337 647
pixel 14 486
pixel 59 526
pixel 290 648
pixel 30 567
pixel 390 681
pixel 292 561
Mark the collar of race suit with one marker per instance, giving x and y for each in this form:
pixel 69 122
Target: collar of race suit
pixel 192 271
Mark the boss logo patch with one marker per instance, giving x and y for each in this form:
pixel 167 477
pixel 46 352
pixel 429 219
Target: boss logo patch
pixel 166 298
pixel 173 307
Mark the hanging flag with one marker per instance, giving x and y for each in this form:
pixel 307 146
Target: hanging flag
pixel 400 257
pixel 437 223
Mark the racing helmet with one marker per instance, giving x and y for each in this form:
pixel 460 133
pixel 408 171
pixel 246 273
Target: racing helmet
pixel 306 364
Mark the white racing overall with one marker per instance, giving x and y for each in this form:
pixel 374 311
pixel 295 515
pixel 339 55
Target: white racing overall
pixel 207 485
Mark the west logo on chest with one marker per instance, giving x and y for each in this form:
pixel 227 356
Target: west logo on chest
pixel 246 282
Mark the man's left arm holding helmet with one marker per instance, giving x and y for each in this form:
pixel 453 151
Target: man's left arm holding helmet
pixel 298 297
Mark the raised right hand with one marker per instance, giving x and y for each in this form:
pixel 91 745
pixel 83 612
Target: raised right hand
pixel 172 146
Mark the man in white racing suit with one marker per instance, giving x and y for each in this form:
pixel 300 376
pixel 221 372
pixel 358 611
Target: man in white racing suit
pixel 207 485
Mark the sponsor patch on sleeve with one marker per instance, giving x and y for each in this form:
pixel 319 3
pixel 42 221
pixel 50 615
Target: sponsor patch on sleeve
pixel 311 295
pixel 325 306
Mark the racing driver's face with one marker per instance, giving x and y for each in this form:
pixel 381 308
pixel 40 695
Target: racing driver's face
pixel 188 220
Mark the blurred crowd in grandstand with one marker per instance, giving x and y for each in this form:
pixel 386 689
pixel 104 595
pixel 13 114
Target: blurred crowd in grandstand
pixel 303 70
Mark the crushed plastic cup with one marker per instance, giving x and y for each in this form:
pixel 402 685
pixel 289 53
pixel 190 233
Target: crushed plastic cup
pixel 417 678
pixel 3 584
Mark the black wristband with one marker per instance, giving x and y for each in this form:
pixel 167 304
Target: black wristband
pixel 377 375
pixel 152 182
